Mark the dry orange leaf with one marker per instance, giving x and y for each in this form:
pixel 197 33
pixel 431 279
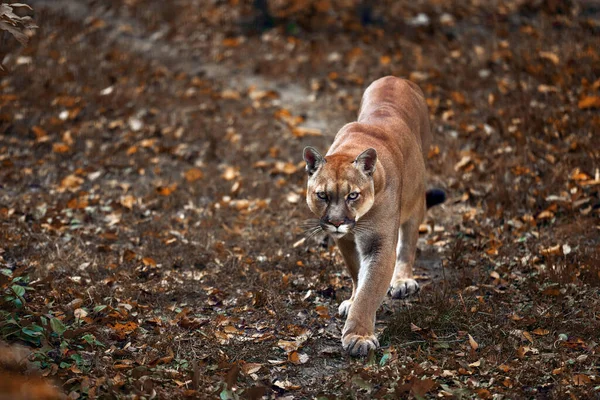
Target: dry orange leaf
pixel 581 379
pixel 301 132
pixel 322 311
pixel 123 330
pixel 129 255
pixel 551 291
pixel 288 345
pixel 552 57
pixel 545 215
pixel 149 262
pixel 60 148
pixel 167 359
pixel 166 190
pixel 589 102
pixel 71 182
pixel 231 329
pixel 528 336
pixel 39 132
pixel 231 42
pixel 297 358
pixel 128 201
pixel 193 174
pixel 504 368
pixel 540 331
pixel 474 345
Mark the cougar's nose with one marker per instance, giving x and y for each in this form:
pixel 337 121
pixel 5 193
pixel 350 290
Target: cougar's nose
pixel 336 222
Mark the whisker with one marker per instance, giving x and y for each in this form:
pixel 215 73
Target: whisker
pixel 309 223
pixel 314 232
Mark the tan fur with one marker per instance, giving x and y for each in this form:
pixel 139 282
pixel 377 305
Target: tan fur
pixel 377 232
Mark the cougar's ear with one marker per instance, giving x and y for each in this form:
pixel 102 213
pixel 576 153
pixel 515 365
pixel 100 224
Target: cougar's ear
pixel 366 161
pixel 313 159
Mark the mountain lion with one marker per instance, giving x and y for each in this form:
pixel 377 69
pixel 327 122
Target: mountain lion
pixel 369 194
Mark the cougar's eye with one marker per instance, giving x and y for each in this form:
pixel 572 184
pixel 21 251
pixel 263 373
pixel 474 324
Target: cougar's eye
pixel 353 196
pixel 322 195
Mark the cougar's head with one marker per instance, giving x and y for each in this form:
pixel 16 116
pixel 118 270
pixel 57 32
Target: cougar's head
pixel 340 188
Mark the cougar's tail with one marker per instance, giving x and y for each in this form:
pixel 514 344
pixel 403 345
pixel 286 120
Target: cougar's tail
pixel 433 197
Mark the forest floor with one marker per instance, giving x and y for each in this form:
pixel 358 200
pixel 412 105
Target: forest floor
pixel 152 197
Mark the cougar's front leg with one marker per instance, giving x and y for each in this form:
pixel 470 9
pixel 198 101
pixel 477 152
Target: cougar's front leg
pixel 377 254
pixel 403 283
pixel 351 258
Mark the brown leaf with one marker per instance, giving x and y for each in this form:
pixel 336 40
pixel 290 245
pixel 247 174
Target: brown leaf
pixel 504 368
pixel 474 345
pixel 193 174
pixel 540 331
pixel 71 182
pixel 166 359
pixel 129 255
pixel 297 358
pixel 589 102
pixel 166 190
pixel 128 201
pixel 251 368
pixel 121 331
pixel 421 387
pixel 323 311
pixel 551 291
pixel 149 262
pixel 581 379
pixel 60 148
pixel 300 132
pixel 288 345
pixel 552 57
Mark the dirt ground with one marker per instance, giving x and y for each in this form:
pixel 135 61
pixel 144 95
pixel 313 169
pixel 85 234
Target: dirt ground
pixel 152 199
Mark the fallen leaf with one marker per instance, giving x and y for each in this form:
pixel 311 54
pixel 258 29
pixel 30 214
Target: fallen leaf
pixel 421 387
pixel 528 336
pixel 297 358
pixel 60 148
pixel 149 262
pixel 540 331
pixel 71 182
pixel 552 57
pixel 193 174
pixel 476 363
pixel 251 368
pixel 286 385
pixel 581 379
pixel 589 102
pixel 300 132
pixel 288 345
pixel 474 345
pixel 121 331
pixel 166 190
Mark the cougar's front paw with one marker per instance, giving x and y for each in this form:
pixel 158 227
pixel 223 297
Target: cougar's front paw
pixel 344 308
pixel 359 345
pixel 402 288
